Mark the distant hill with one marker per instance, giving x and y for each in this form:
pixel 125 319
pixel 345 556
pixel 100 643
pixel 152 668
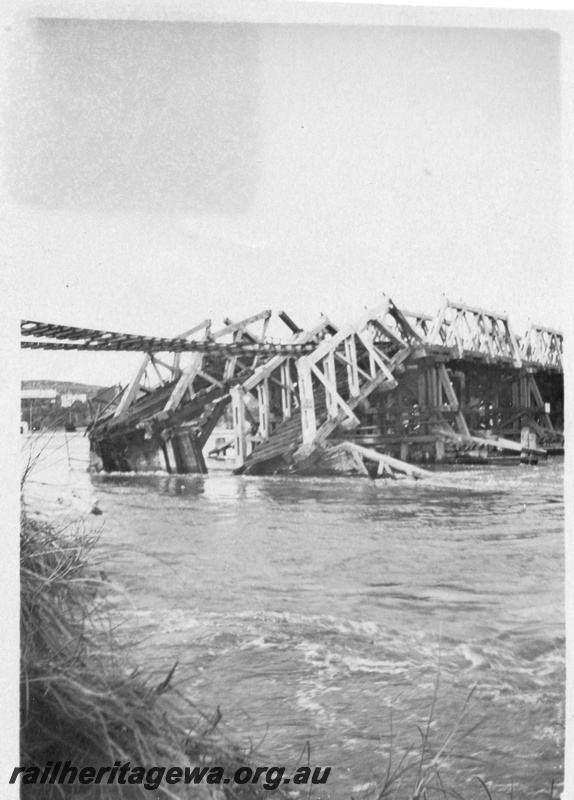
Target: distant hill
pixel 64 387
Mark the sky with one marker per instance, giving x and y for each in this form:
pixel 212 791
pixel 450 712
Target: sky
pixel 157 173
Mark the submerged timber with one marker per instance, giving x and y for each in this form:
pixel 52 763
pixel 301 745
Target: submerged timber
pixel 376 397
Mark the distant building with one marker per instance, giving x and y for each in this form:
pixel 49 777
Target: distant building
pixel 56 404
pixel 37 405
pixel 39 394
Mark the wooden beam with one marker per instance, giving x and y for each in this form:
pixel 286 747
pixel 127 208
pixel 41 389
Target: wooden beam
pixel 453 400
pixel 353 452
pixel 230 367
pixel 388 461
pixel 453 324
pixel 332 424
pixel 209 426
pixel 184 382
pixel 352 366
pixel 239 432
pixel 495 442
pixel 434 336
pixel 209 378
pixel 336 399
pixel 286 389
pixel 231 327
pixel 206 324
pixel 157 372
pixel 265 370
pixel 131 393
pixel 329 380
pixel 515 345
pixel 307 400
pixel 539 400
pixel 391 335
pixel 373 352
pixel 403 322
pixel 349 330
pixel 264 411
pixel 289 322
pixel 165 365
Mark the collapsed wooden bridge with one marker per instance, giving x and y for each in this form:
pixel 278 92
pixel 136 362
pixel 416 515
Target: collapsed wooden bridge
pixel 375 397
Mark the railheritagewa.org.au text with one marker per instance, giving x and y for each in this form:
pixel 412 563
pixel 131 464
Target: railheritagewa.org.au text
pixel 151 778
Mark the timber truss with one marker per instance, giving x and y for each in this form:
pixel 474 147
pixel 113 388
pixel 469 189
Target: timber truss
pixel 326 390
pixel 392 387
pixel 175 399
pixel 542 347
pixel 474 333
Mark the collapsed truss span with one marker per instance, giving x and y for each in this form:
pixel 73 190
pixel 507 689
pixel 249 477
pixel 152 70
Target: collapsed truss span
pixel 390 388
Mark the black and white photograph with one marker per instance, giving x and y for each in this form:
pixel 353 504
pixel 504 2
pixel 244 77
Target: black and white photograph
pixel 289 291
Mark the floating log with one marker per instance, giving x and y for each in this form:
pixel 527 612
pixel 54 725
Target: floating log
pixel 386 463
pixel 495 442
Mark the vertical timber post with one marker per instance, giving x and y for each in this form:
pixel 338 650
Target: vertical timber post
pixel 263 397
pixel 308 418
pixel 528 443
pixel 352 372
pixel 524 392
pixel 433 387
pixel 516 402
pixel 170 456
pixel 286 389
pixel 452 399
pixel 238 411
pixel 329 371
pixel 535 392
pixel 439 449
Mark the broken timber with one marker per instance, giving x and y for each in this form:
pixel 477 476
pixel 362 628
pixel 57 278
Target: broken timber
pixel 371 398
pixel 169 409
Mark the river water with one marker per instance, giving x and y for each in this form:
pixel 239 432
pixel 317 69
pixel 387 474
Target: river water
pixel 326 613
